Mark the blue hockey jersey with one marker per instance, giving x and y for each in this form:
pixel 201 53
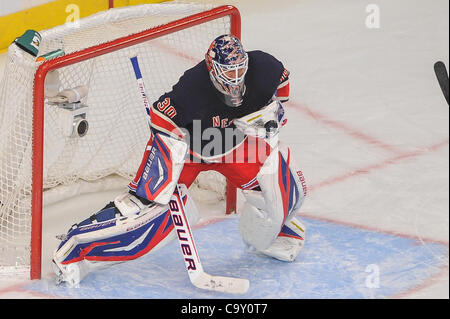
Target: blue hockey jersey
pixel 193 106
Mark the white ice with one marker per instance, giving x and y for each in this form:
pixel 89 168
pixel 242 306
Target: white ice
pixel 368 124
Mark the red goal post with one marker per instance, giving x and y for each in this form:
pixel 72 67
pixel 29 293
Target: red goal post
pixel 88 53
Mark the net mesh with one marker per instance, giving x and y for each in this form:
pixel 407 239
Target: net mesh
pixel 118 130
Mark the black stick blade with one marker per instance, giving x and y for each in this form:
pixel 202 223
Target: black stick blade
pixel 442 76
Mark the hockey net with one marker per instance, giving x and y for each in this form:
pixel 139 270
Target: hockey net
pixel 37 155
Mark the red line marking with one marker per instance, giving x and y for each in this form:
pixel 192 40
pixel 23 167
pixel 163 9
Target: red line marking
pixel 171 50
pixel 427 283
pixel 415 289
pixel 14 288
pixel 343 127
pixel 421 286
pixel 19 288
pixel 390 161
pixel 374 229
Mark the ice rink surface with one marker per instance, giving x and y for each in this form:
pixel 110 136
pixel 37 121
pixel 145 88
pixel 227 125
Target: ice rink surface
pixel 368 127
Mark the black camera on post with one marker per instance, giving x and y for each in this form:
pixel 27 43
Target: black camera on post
pixel 74 119
pixel 72 114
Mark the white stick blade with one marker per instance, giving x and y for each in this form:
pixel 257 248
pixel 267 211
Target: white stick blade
pixel 222 284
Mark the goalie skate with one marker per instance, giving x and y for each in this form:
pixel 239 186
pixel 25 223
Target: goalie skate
pixel 59 278
pixel 69 274
pixel 289 242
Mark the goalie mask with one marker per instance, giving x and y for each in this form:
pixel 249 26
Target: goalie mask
pixel 227 64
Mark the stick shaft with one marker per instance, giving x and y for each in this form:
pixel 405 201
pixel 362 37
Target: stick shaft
pixel 141 85
pixel 198 277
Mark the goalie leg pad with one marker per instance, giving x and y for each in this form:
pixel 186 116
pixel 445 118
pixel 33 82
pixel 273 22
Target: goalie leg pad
pixel 281 196
pixel 289 241
pixel 163 166
pixel 257 228
pixel 101 242
pixel 280 183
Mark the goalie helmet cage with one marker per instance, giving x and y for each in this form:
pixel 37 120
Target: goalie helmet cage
pixel 169 38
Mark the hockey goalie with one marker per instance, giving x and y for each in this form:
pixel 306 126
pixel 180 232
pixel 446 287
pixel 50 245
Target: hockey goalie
pixel 224 114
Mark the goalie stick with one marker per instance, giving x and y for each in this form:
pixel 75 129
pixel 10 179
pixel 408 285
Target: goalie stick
pixel 198 277
pixel 141 86
pixel 442 77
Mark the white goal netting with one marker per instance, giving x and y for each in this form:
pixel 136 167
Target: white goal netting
pixel 118 130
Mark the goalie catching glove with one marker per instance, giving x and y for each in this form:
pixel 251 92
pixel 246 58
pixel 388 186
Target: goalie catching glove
pixel 265 122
